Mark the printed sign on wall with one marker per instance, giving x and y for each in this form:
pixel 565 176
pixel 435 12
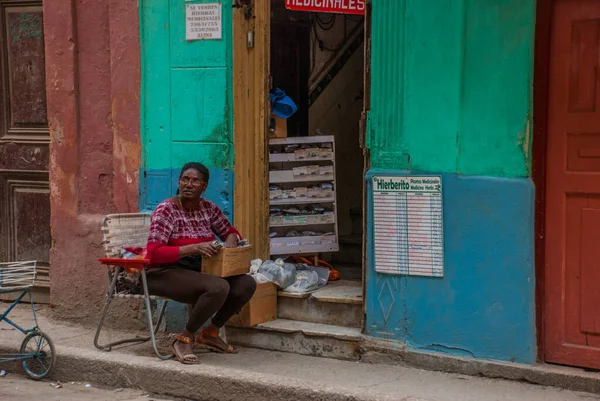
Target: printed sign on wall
pixel 203 21
pixel 408 225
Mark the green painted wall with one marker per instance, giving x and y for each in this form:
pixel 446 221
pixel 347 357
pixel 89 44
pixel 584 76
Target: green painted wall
pixel 451 86
pixel 186 102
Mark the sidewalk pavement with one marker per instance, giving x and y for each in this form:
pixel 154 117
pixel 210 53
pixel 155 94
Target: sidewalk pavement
pixel 262 375
pixel 18 388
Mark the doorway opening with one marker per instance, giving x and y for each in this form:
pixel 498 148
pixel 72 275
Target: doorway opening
pixel 316 163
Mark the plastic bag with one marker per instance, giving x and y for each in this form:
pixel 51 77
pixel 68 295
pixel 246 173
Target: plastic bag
pixel 323 274
pixel 254 265
pixel 279 273
pixel 283 106
pixel 306 280
pixel 260 278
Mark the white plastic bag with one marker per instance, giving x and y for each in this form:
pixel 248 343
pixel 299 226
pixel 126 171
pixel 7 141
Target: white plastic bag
pixel 254 265
pixel 323 274
pixel 306 280
pixel 282 275
pixel 260 278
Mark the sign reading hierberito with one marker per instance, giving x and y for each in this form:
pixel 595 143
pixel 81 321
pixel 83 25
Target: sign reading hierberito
pixel 408 225
pixel 203 21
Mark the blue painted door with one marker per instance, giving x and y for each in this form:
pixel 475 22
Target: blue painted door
pixel 186 102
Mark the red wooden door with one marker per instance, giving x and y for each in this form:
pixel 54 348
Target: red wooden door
pixel 572 324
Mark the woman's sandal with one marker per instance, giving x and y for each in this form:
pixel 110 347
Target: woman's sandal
pixel 188 359
pixel 214 343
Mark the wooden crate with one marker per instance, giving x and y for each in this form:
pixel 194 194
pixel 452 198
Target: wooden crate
pixel 228 262
pixel 261 308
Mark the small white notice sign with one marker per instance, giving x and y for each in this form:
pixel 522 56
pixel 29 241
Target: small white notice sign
pixel 408 225
pixel 203 21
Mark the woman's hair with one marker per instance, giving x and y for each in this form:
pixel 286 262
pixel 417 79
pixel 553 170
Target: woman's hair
pixel 201 168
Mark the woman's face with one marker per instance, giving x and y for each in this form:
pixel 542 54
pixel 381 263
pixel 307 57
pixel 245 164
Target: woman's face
pixel 191 184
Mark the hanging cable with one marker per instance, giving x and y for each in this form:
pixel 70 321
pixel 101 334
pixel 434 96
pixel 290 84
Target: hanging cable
pixel 326 24
pixel 313 52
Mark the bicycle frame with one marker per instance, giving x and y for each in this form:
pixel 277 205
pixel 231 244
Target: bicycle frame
pixel 4 318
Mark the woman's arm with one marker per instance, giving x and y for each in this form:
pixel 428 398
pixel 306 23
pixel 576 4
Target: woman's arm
pixel 161 227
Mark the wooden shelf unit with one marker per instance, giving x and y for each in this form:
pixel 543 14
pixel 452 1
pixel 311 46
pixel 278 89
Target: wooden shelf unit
pixel 287 171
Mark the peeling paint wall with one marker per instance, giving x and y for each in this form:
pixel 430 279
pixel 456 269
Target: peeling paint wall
pixel 451 88
pixel 93 70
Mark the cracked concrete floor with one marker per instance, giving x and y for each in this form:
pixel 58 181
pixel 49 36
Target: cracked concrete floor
pixel 18 388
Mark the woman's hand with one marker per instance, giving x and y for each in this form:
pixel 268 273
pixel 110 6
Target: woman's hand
pixel 207 249
pixel 231 241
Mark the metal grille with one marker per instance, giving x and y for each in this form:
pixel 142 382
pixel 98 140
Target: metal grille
pixel 124 230
pixel 16 276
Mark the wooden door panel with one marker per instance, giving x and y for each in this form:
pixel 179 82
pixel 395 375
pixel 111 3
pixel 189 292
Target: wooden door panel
pixel 590 273
pixel 583 152
pixel 572 309
pixel 26 203
pixel 24 139
pixel 576 183
pixel 25 200
pixel 583 68
pixel 24 156
pixel 26 69
pixel 575 203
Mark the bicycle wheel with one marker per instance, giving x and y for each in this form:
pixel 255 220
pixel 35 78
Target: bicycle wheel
pixel 39 357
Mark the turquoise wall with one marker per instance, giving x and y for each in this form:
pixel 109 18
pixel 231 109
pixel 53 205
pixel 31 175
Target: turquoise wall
pixel 451 87
pixel 186 103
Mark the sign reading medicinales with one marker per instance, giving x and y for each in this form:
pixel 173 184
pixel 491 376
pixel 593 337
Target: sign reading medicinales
pixel 408 225
pixel 328 6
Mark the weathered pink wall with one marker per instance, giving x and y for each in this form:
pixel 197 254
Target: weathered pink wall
pixel 93 86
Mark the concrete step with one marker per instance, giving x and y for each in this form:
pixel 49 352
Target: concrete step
pixel 304 338
pixel 339 303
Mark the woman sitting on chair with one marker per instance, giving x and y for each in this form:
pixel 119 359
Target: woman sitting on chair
pixel 182 231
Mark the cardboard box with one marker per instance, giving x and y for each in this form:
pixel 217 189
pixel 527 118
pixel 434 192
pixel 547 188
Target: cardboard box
pixel 325 193
pixel 300 171
pixel 228 262
pixel 288 194
pixel 301 192
pixel 280 127
pixel 300 154
pixel 276 220
pixel 276 194
pixel 261 308
pixel 326 170
pixel 311 170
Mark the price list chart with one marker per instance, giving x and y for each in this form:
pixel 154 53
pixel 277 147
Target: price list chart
pixel 408 225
